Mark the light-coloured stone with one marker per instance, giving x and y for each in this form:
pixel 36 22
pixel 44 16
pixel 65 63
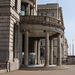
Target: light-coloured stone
pixel 46 49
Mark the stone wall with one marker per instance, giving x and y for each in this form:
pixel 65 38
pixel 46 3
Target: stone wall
pixel 71 60
pixel 9 17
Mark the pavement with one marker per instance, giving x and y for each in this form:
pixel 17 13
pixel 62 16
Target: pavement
pixel 70 71
pixel 41 65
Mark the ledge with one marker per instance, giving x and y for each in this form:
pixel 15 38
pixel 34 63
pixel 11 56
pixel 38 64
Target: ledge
pixel 62 67
pixel 41 20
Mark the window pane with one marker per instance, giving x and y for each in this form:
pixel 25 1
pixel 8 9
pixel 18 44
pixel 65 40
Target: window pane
pixel 23 6
pixel 42 14
pixel 52 14
pixel 22 13
pixel 15 4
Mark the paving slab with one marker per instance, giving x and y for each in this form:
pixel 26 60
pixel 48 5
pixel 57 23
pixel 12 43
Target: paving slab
pixel 70 71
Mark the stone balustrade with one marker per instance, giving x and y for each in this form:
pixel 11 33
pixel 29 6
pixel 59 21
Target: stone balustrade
pixel 41 20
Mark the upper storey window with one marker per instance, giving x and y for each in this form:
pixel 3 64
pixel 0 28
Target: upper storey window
pixel 23 9
pixel 16 5
pixel 52 14
pixel 42 14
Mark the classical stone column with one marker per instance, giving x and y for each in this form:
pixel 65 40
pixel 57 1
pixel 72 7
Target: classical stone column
pixel 28 10
pixel 51 52
pixel 59 51
pixel 38 52
pixel 46 48
pixel 26 40
pixel 35 50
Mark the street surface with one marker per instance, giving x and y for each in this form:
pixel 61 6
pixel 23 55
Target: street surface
pixel 70 71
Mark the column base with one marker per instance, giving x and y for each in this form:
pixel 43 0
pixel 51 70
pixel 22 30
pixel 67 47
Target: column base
pixel 46 65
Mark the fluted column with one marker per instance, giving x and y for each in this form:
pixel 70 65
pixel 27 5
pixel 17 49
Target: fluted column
pixel 59 51
pixel 35 49
pixel 38 52
pixel 46 48
pixel 26 41
pixel 51 52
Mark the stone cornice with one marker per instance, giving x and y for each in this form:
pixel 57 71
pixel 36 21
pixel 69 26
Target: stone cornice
pixel 39 9
pixel 41 20
pixel 49 9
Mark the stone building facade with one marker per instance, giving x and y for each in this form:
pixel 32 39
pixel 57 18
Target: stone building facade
pixel 21 31
pixel 71 60
pixel 50 10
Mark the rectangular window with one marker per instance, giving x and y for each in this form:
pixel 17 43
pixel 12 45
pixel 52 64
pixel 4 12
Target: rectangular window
pixel 52 14
pixel 16 5
pixel 22 13
pixel 42 14
pixel 23 7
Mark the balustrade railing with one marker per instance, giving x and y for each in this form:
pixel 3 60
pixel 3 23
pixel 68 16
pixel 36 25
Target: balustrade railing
pixel 40 20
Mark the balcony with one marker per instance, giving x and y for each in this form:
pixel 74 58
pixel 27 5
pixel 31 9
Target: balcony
pixel 41 20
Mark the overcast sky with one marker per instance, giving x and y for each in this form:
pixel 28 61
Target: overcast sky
pixel 68 8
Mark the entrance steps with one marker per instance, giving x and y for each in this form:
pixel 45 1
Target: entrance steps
pixel 40 68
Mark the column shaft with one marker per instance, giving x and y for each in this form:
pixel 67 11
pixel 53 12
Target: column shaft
pixel 51 52
pixel 46 49
pixel 26 40
pixel 38 52
pixel 35 49
pixel 28 10
pixel 59 51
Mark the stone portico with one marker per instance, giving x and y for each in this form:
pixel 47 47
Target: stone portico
pixel 21 30
pixel 44 30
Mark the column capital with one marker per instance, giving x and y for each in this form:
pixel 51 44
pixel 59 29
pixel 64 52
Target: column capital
pixel 51 38
pixel 45 31
pixel 26 32
pixel 58 34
